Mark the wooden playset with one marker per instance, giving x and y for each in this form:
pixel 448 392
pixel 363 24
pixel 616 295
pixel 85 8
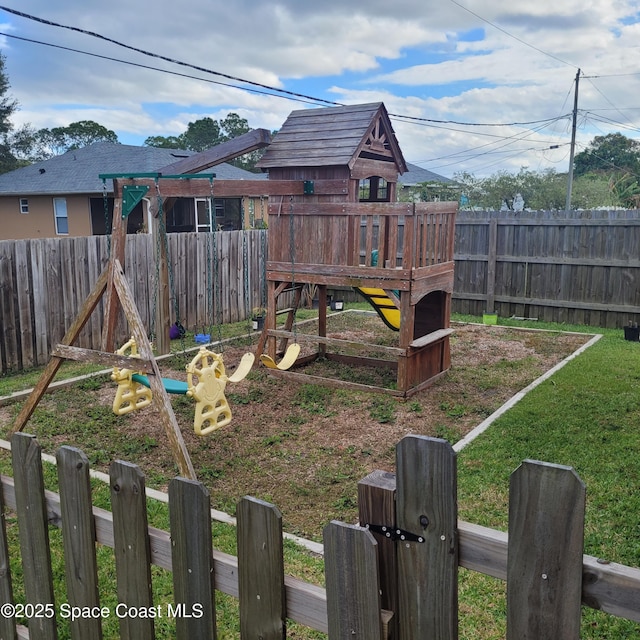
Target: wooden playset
pixel 346 230
pixel 333 222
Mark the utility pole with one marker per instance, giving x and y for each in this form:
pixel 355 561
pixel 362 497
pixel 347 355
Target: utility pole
pixel 567 206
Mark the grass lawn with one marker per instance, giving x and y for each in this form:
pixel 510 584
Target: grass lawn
pixel 586 416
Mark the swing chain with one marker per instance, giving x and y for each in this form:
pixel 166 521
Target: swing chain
pixel 165 240
pixel 107 222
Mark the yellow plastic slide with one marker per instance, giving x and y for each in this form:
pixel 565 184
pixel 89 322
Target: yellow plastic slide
pixel 383 304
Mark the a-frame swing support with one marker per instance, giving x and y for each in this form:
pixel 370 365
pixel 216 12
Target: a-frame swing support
pixel 113 283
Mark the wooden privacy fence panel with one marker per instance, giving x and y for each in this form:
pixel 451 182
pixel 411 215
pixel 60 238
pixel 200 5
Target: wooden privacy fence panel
pixel 214 279
pixel 579 268
pixel 541 557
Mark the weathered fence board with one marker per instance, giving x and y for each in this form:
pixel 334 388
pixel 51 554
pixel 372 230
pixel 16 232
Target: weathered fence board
pixel 260 570
pixel 192 560
pixel 426 508
pixel 7 623
pixel 353 585
pixel 131 549
pixel 78 534
pixel 546 539
pixel 34 533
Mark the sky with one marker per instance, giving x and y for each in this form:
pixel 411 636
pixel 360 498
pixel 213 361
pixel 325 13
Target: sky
pixel 475 86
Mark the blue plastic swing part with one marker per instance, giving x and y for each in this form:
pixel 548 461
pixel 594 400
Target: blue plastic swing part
pixel 170 385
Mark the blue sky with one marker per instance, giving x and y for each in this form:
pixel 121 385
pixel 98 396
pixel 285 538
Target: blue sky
pixel 476 86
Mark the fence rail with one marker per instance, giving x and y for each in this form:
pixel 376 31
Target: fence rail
pixel 582 268
pixel 408 557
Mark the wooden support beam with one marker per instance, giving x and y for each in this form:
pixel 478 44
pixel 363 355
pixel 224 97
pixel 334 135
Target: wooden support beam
pixel 255 139
pixel 160 396
pixel 105 358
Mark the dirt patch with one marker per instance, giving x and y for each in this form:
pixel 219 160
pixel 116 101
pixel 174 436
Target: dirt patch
pixel 303 446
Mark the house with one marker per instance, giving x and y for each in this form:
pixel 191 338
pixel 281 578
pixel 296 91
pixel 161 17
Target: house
pixel 64 196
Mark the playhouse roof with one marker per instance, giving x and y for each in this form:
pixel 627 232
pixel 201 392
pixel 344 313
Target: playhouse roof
pixel 334 136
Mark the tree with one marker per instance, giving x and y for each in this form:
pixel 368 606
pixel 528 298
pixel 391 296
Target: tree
pixel 8 106
pixel 205 133
pixel 83 133
pixel 541 190
pixel 162 142
pixel 202 134
pixel 613 153
pixel 33 146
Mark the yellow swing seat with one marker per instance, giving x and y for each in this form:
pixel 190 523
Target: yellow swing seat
pixel 288 360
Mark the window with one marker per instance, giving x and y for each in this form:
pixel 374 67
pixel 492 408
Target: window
pixel 24 205
pixel 60 213
pixel 203 214
pixel 374 189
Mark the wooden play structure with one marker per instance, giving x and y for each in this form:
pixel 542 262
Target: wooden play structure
pixel 346 230
pixel 332 222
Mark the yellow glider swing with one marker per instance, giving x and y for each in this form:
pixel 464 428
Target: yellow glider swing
pixel 206 382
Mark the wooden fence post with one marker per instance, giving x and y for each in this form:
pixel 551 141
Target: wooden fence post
pixel 544 565
pixel 492 251
pixel 260 570
pixel 192 560
pixel 131 549
pixel 7 623
pixel 426 509
pixel 79 538
pixel 31 508
pixel 377 509
pixel 353 585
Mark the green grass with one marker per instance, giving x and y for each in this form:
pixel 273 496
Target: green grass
pixel 586 416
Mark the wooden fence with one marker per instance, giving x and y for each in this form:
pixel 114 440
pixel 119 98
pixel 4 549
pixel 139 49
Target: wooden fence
pixel 408 557
pixel 215 279
pixel 579 268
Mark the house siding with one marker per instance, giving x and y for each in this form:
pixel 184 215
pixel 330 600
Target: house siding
pixel 39 222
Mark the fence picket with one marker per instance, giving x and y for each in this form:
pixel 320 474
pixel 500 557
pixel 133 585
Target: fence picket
pixel 79 535
pixel 131 549
pixel 353 583
pixel 33 526
pixel 426 506
pixel 192 560
pixel 260 570
pixel 7 623
pixel 544 565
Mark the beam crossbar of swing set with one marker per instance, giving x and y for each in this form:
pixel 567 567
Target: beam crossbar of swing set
pixel 156 175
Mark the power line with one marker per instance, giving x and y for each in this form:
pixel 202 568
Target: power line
pixel 527 44
pixel 270 90
pixel 149 67
pixel 93 34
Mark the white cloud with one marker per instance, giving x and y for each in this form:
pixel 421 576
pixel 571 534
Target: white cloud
pixel 425 58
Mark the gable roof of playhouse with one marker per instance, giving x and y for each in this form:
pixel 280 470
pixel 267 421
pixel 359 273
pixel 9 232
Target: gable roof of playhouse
pixel 334 136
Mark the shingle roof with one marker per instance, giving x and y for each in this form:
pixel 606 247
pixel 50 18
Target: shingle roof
pixel 333 136
pixel 77 171
pixel 416 175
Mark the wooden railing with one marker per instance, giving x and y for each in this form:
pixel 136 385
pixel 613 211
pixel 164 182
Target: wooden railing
pixel 379 235
pixel 409 553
